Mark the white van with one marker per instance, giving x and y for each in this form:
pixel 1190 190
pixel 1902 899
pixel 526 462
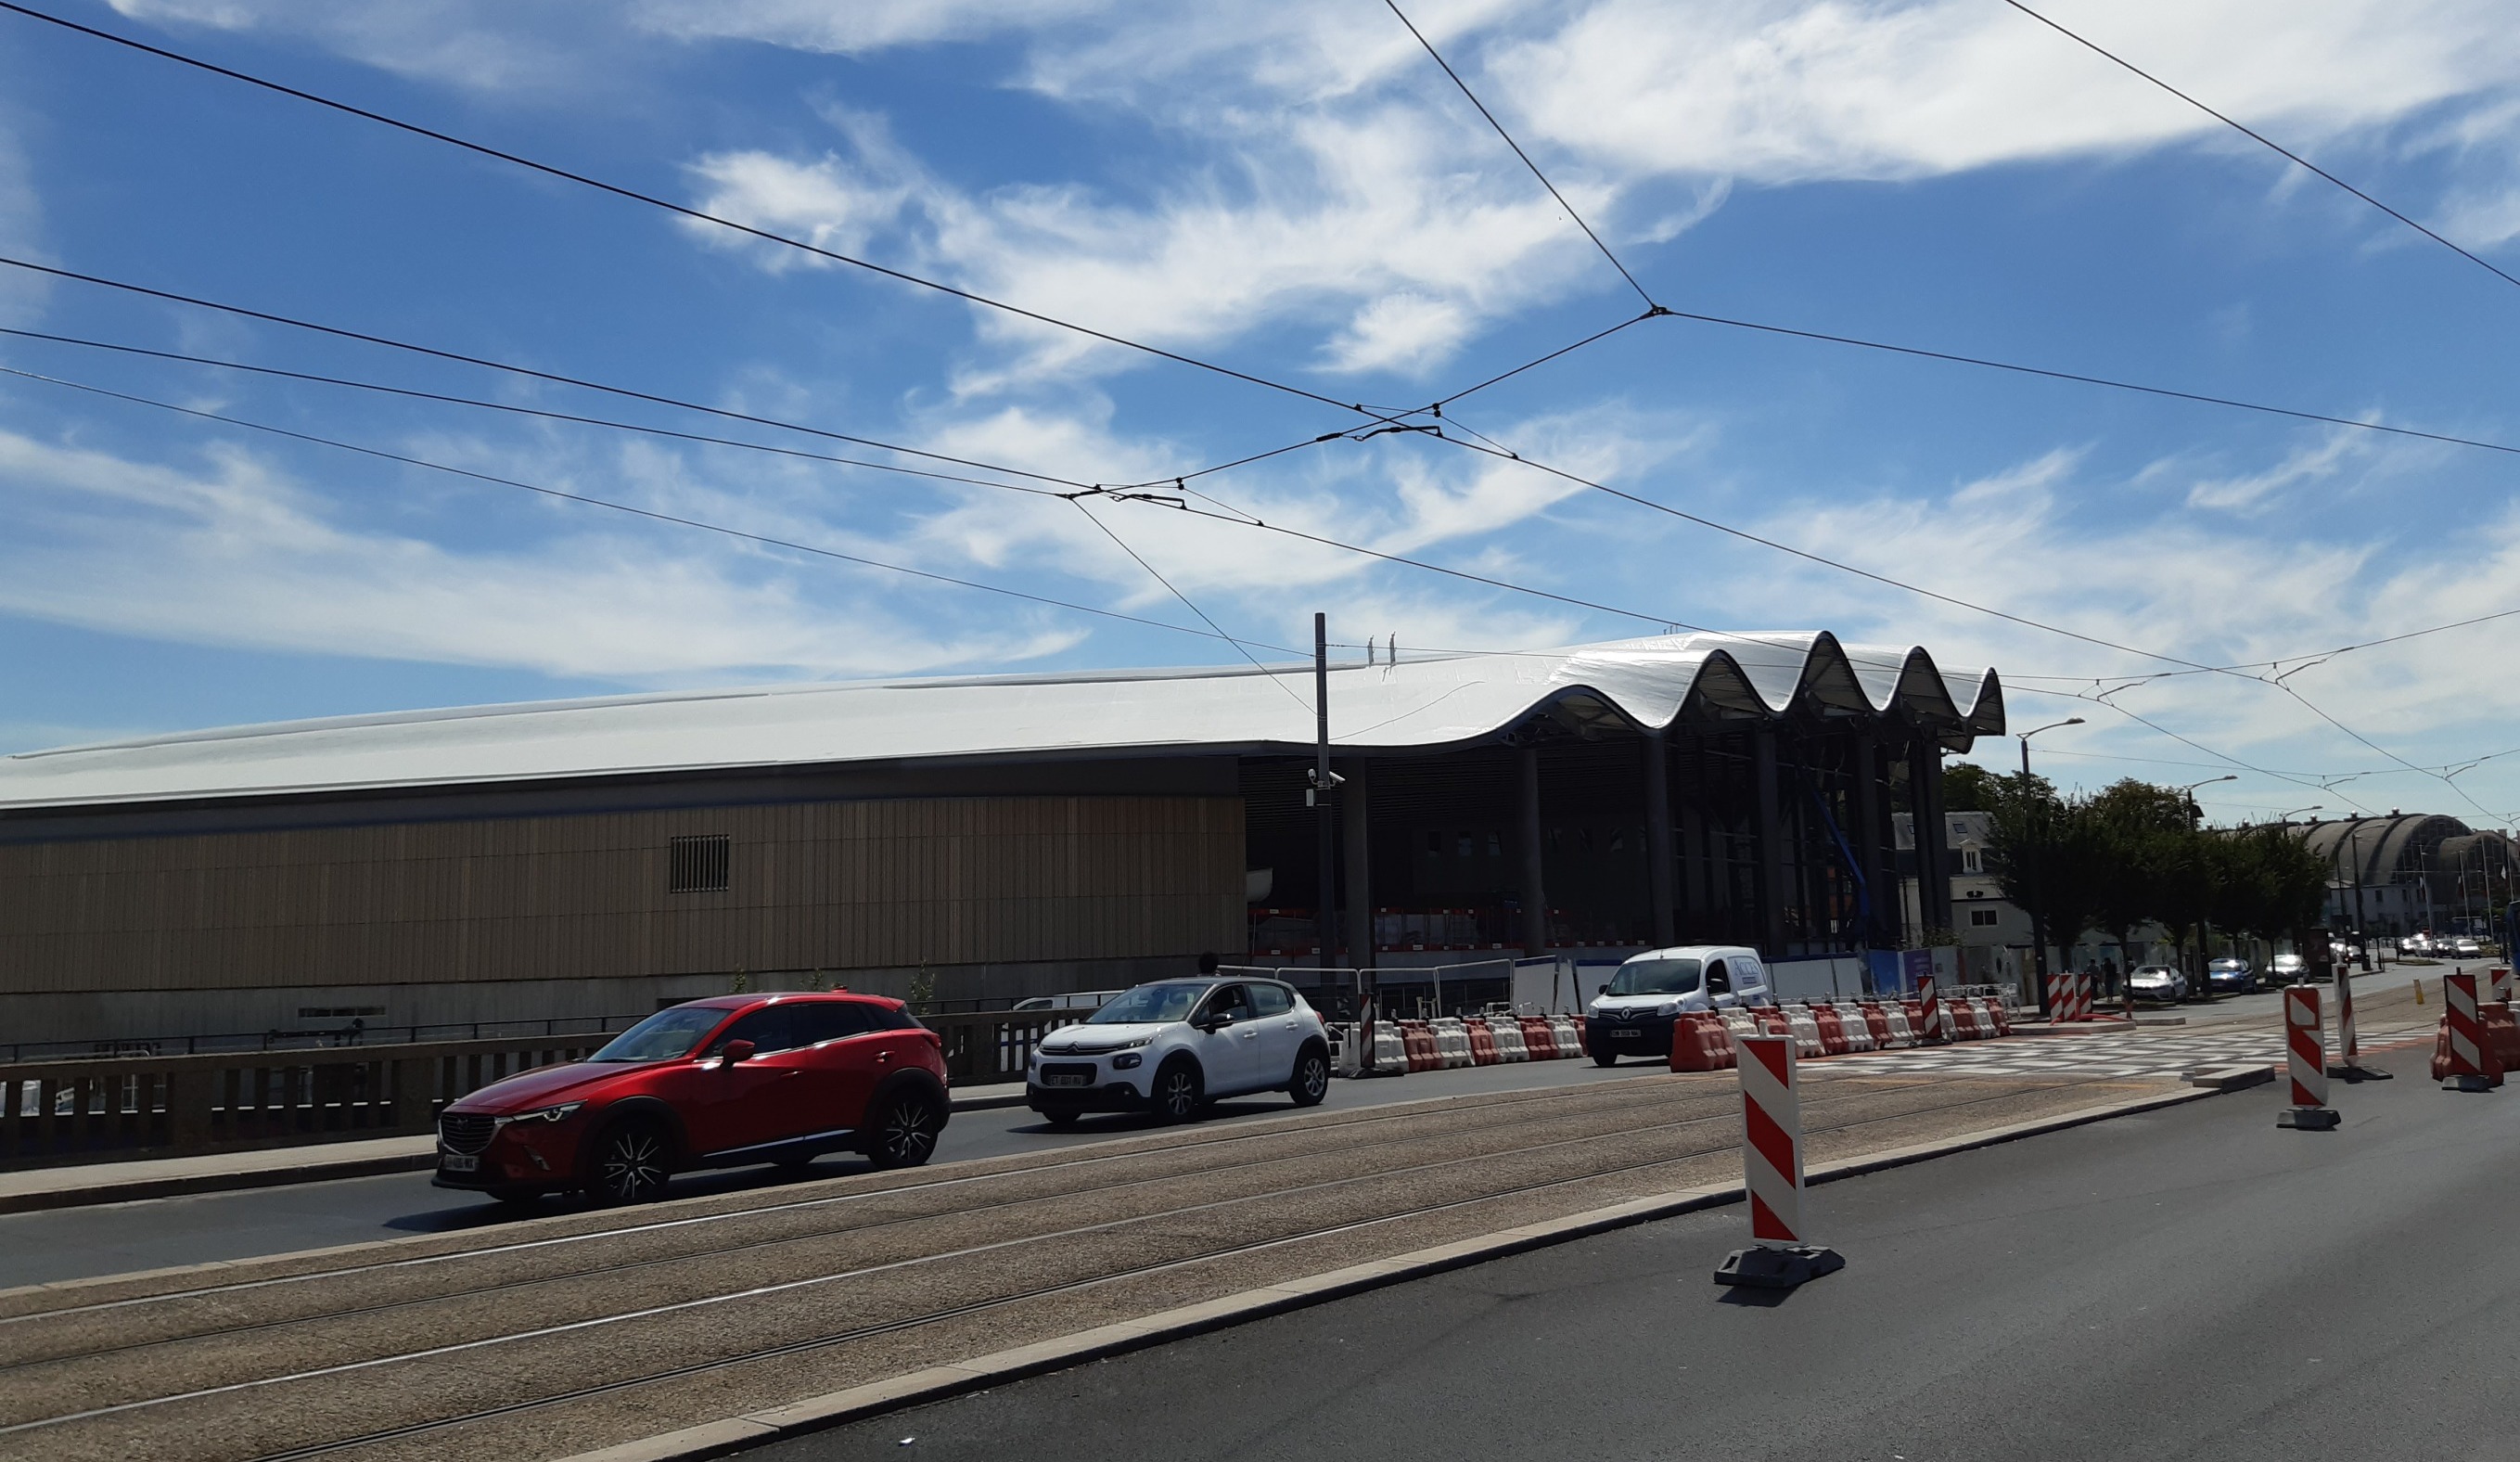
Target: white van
pixel 1633 1014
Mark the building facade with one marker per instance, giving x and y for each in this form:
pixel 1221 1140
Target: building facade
pixel 975 840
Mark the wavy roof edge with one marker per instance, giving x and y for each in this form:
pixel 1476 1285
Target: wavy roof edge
pixel 1424 701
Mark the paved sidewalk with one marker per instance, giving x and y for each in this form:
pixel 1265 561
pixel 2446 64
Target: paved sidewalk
pixel 267 1167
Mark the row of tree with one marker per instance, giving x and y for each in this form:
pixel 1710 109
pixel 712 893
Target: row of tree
pixel 2133 854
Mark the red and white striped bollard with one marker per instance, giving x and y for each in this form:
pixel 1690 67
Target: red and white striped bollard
pixel 1935 1030
pixel 2466 1035
pixel 1771 1162
pixel 2306 1062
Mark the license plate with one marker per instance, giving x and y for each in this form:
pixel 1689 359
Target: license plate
pixel 1067 1080
pixel 1627 1035
pixel 459 1163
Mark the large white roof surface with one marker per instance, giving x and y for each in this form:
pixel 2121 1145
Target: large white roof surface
pixel 1425 701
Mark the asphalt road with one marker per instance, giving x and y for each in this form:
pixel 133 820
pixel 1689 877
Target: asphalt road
pixel 2193 1283
pixel 45 1246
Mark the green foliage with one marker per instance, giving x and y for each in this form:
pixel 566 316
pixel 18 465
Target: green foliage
pixel 2043 852
pixel 1970 788
pixel 923 990
pixel 2133 855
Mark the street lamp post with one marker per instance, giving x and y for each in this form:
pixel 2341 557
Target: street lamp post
pixel 2029 874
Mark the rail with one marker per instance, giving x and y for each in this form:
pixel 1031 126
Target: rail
pixel 57 1112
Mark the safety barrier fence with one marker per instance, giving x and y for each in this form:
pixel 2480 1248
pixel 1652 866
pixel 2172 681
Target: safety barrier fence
pixel 109 1107
pixel 61 1111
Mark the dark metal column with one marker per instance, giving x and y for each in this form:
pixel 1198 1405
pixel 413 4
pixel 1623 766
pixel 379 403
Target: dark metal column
pixel 1772 844
pixel 1933 851
pixel 1356 807
pixel 1661 861
pixel 1878 890
pixel 1534 896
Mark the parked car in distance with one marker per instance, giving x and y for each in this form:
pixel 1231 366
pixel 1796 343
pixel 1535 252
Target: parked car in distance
pixel 2230 977
pixel 2288 968
pixel 2464 947
pixel 721 1082
pixel 2418 942
pixel 1172 1046
pixel 2157 982
pixel 1633 1014
pixel 1076 1000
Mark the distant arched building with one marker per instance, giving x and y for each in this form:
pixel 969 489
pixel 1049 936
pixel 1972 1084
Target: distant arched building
pixel 2411 871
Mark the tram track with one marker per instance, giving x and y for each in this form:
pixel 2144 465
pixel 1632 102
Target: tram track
pixel 1399 1177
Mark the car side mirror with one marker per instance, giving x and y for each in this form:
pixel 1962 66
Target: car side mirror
pixel 737 1050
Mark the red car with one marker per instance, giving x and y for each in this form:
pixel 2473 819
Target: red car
pixel 721 1082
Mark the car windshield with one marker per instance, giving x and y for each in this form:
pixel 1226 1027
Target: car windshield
pixel 1149 1005
pixel 1654 976
pixel 2230 964
pixel 662 1036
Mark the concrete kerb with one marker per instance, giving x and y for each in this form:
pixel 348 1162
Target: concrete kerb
pixel 136 1179
pixel 732 1435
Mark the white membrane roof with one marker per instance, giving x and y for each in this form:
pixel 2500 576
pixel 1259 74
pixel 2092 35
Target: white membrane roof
pixel 1425 700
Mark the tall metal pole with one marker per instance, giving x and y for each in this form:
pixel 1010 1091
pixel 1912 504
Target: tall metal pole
pixel 2030 874
pixel 1324 822
pixel 1325 837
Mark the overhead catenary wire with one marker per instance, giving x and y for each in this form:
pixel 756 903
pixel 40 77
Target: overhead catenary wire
pixel 1519 153
pixel 2261 139
pixel 634 194
pixel 677 519
pixel 1213 632
pixel 1175 590
pixel 486 363
pixel 546 414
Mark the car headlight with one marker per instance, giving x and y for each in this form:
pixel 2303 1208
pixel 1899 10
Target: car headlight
pixel 561 1113
pixel 1130 1062
pixel 1666 1008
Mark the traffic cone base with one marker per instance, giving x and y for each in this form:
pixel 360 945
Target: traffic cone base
pixel 2307 1118
pixel 1767 1267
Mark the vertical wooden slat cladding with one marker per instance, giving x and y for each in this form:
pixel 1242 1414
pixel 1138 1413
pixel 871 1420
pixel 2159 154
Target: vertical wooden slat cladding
pixel 818 886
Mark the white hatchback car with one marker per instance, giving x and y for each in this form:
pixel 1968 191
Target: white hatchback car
pixel 1174 1045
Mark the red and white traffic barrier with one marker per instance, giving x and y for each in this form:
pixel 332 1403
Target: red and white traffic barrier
pixel 1570 1042
pixel 2501 982
pixel 1771 1162
pixel 2466 1031
pixel 1805 1030
pixel 1934 1030
pixel 1506 1032
pixel 2306 1062
pixel 2060 999
pixel 2083 1009
pixel 1895 1016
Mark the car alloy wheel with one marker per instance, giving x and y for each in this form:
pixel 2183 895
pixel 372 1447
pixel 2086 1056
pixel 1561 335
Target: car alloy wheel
pixel 1177 1092
pixel 907 1136
pixel 1312 1078
pixel 631 1164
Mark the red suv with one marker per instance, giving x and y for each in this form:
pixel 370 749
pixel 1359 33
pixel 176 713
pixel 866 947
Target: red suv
pixel 712 1083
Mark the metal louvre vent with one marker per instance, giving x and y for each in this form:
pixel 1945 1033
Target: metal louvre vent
pixel 697 865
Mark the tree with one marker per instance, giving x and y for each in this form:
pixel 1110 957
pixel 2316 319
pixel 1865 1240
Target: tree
pixel 1970 788
pixel 2272 884
pixel 2043 853
pixel 2132 827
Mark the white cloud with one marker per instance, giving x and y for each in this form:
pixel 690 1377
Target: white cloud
pixel 234 553
pixel 2251 493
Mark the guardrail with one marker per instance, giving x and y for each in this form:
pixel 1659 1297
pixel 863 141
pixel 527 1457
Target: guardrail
pixel 66 1112
pixel 983 1048
pixel 104 1109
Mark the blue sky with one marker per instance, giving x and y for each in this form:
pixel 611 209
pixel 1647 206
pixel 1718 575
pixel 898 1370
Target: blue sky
pixel 1293 191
